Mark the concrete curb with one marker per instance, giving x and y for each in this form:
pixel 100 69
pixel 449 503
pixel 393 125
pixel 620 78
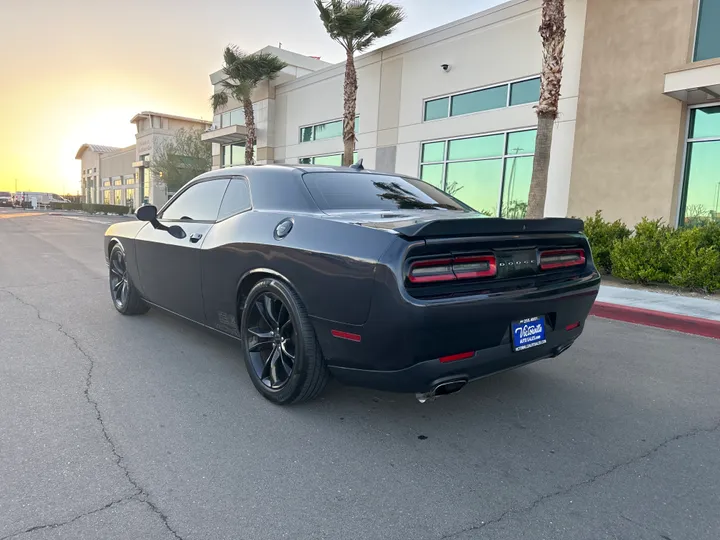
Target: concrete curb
pixel 658 319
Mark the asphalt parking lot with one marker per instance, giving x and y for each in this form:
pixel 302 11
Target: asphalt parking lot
pixel 147 427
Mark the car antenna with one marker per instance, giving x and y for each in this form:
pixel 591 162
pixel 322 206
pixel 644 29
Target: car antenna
pixel 358 166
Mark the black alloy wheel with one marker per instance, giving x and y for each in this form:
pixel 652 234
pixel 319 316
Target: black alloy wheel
pixel 119 286
pixel 126 298
pixel 271 340
pixel 282 355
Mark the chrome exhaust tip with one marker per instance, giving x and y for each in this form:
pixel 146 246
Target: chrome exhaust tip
pixel 442 389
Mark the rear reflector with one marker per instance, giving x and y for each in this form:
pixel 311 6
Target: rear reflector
pixel 572 326
pixel 455 357
pixel 346 335
pixel 465 267
pixel 561 258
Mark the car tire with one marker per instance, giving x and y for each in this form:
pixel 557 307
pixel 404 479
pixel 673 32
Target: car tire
pixel 308 374
pixel 126 298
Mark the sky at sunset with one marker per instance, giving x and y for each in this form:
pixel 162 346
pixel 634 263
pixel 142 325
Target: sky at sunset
pixel 77 71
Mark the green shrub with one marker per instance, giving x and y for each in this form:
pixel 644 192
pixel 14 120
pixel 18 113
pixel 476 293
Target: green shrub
pixel 694 255
pixel 92 208
pixel 643 258
pixel 602 235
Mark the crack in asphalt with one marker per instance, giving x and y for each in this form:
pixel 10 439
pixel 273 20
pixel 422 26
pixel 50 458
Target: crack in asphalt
pixel 569 489
pixel 69 521
pixel 140 493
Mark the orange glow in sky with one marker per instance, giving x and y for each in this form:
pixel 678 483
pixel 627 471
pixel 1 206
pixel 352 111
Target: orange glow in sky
pixel 76 71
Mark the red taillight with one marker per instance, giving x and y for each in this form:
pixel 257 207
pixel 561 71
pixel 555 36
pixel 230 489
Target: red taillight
pixel 561 258
pixel 464 267
pixel 474 267
pixel 346 335
pixel 455 357
pixel 429 271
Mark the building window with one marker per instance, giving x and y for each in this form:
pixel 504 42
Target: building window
pixel 701 187
pixel 130 198
pixel 234 154
pixel 490 173
pixel 106 182
pixel 327 130
pixel 117 181
pixel 129 180
pixel 707 38
pixel 235 117
pixel 331 159
pixel 106 196
pixel 484 99
pixel 119 197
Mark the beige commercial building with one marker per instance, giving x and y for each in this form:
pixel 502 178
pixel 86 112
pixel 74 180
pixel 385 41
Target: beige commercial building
pixel 122 176
pixel 638 132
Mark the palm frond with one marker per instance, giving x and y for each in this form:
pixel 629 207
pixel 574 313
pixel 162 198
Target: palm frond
pixel 356 24
pixel 217 100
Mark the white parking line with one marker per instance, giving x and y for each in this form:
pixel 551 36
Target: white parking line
pixel 89 220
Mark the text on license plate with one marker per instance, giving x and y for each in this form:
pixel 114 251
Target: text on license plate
pixel 528 333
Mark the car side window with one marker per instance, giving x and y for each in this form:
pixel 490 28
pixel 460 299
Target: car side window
pixel 236 200
pixel 200 202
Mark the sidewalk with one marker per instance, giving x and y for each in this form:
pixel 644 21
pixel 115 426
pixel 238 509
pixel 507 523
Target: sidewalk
pixel 674 312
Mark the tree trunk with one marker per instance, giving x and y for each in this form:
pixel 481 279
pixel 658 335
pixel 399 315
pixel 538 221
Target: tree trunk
pixel 350 95
pixel 552 32
pixel 251 140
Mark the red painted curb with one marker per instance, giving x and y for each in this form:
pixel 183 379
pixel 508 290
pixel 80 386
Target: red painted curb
pixel 658 319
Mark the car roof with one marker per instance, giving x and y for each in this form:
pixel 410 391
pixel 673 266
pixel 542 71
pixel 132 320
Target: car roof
pixel 279 186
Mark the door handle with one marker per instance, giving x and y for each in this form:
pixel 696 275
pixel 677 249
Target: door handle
pixel 195 237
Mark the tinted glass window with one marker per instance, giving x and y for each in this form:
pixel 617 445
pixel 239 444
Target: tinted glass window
pixel 433 174
pixel 237 199
pixel 436 108
pixel 705 123
pixel 200 202
pixel 4 193
pixel 337 191
pixel 525 92
pixel 480 100
pixel 521 142
pixel 434 151
pixel 476 147
pixel 707 39
pixel 329 130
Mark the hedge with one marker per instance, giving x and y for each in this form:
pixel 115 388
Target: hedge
pixel 92 208
pixel 657 253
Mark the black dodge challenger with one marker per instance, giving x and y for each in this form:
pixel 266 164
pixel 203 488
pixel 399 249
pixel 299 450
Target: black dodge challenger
pixel 377 279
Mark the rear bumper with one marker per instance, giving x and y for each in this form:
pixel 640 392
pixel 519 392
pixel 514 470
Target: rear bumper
pixel 424 376
pixel 403 339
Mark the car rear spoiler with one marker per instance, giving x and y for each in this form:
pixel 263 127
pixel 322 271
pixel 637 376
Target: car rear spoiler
pixel 489 226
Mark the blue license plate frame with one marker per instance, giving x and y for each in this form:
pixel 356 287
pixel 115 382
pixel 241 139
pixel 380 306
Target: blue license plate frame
pixel 528 333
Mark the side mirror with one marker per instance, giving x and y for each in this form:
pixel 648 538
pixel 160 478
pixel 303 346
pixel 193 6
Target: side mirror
pixel 147 213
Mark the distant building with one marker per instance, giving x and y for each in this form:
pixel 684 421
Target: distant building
pixel 122 175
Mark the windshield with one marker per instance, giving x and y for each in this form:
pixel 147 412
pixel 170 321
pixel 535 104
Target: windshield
pixel 341 191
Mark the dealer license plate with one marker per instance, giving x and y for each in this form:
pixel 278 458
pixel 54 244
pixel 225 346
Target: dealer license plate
pixel 528 333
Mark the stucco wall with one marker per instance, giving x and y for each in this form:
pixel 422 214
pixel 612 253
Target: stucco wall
pixel 118 163
pixel 629 136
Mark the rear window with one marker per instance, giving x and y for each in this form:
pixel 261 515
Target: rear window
pixel 338 191
pixel 4 194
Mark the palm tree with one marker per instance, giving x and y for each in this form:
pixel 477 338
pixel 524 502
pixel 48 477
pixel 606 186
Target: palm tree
pixel 243 73
pixel 355 24
pixel 552 32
